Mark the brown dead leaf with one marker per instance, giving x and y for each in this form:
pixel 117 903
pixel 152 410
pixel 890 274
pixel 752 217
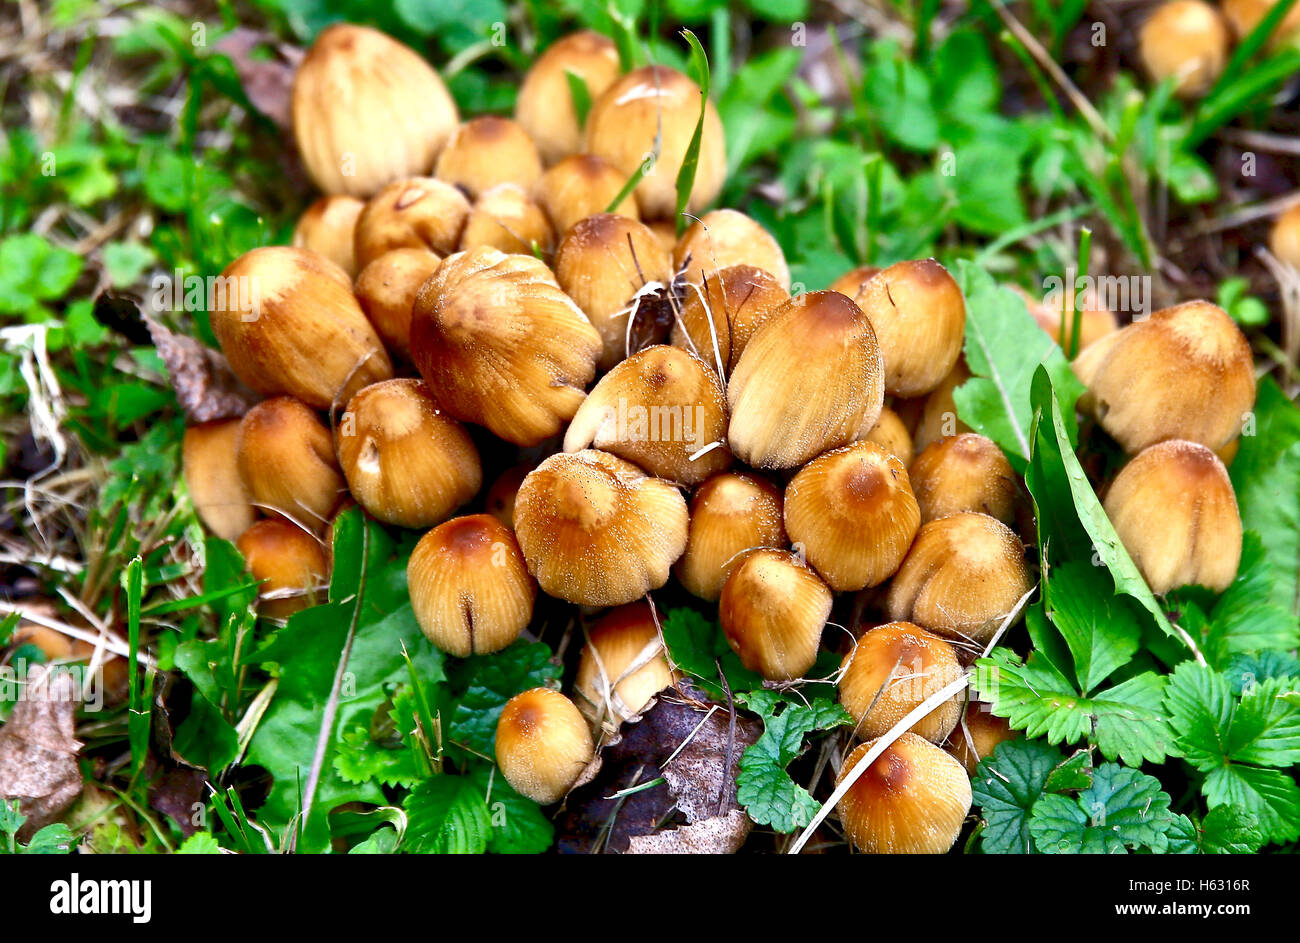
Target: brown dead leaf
pixel 38 749
pixel 206 387
pixel 684 740
pixel 720 835
pixel 268 83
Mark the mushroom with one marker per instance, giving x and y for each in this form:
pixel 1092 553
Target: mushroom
pixel 582 185
pixel 730 513
pixel 413 213
pixel 966 472
pixel 212 478
pixel 328 227
pixel 890 672
pixel 622 666
pixel 542 744
pixel 772 610
pixel 386 289
pixel 488 151
pixel 290 563
pixel 723 238
pixel 545 108
pixel 285 457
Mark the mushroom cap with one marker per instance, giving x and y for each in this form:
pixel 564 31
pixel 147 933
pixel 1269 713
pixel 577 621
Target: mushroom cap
pixel 413 213
pixel 773 608
pixel 602 263
pixel 501 345
pixel 287 559
pixel 1186 39
pixel 212 478
pixel 658 408
pixel 963 575
pixel 652 110
pixel 890 433
pixel 542 744
pixel 730 513
pixel 978 734
pixel 919 316
pixel 775 422
pixel 966 472
pixel 891 671
pixel 487 151
pixel 852 512
pixel 367 110
pixel 469 588
pixel 327 227
pixel 719 317
pixel 287 321
pixel 544 107
pixel 598 531
pixel 622 666
pixel 285 457
pixel 1284 238
pixel 386 289
pixel 721 239
pixel 1174 510
pixel 505 217
pixel 1185 372
pixel 912 799
pixel 405 461
pixel 583 185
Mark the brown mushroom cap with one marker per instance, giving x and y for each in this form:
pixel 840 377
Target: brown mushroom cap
pixel 919 317
pixel 963 575
pixel 507 218
pixel 290 562
pixel 212 478
pixel 597 530
pixel 285 457
pixel 623 665
pixel 1174 510
pixel 367 110
pixel 469 588
pixel 775 422
pixel 978 734
pixel 1187 40
pixel 1185 372
pixel 415 213
pixel 912 799
pixel 386 289
pixel 542 744
pixel 405 461
pixel 660 408
pixel 287 321
pixel 719 318
pixel 654 110
pixel 852 512
pixel 723 238
pixel 487 151
pixel 891 671
pixel 772 610
pixel 501 345
pixel 544 107
pixel 327 227
pixel 890 433
pixel 1284 239
pixel 730 513
pixel 966 472
pixel 582 185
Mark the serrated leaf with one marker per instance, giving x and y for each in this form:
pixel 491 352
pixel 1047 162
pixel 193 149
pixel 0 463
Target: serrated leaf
pixel 1215 728
pixel 360 760
pixel 1271 794
pixel 1004 348
pixel 1125 721
pixel 1228 830
pixel 696 646
pixel 1005 787
pixel 763 786
pixel 1122 809
pixel 446 815
pixel 1247 617
pixel 200 843
pixel 518 825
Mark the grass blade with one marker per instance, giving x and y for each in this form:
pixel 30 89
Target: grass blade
pixel 686 176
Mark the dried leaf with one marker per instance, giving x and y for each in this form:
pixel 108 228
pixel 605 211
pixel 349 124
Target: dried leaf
pixel 38 749
pixel 268 83
pixel 720 835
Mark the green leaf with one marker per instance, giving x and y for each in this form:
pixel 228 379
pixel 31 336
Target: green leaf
pixel 897 93
pixel 580 95
pixel 33 271
pixel 361 760
pixel 1100 629
pixel 56 839
pixel 126 262
pixel 691 160
pixel 1266 476
pixel 1055 471
pixel 697 646
pixel 1271 794
pixel 1126 721
pixel 446 815
pixel 763 786
pixel 518 825
pixel 1228 830
pixel 965 76
pixel 1247 617
pixel 200 843
pixel 1123 809
pixel 1005 787
pixel 1004 347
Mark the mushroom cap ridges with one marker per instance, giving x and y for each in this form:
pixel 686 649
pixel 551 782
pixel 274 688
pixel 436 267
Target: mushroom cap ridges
pixel 891 670
pixel 597 530
pixel 912 799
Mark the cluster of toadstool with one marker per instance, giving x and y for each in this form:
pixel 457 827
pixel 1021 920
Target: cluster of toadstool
pixel 459 289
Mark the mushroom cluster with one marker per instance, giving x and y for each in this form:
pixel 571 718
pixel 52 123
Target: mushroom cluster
pixel 483 302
